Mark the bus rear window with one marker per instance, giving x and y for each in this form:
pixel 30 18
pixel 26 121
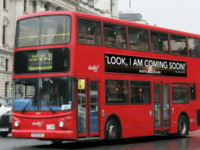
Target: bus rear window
pixel 41 61
pixel 43 31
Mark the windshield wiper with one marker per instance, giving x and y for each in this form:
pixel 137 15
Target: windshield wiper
pixel 23 110
pixel 53 111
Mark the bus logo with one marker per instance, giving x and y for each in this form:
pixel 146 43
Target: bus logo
pixel 94 68
pixel 39 124
pixel 37 113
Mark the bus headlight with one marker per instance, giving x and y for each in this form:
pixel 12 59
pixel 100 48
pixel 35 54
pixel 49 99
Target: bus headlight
pixel 16 123
pixel 61 124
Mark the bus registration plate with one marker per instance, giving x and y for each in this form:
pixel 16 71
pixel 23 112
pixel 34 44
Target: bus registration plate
pixel 37 134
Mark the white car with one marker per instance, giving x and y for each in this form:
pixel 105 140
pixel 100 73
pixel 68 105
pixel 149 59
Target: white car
pixel 5 118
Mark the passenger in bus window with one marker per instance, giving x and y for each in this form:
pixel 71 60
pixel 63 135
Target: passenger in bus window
pixel 118 43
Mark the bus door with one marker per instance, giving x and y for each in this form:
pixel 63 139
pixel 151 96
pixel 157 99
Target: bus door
pixel 161 107
pixel 88 107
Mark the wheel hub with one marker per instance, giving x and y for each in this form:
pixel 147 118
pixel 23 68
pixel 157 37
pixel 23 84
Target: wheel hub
pixel 112 132
pixel 182 126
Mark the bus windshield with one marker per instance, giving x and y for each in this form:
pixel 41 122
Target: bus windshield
pixel 43 31
pixel 44 94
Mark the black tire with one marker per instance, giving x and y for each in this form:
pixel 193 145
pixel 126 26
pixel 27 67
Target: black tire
pixel 182 126
pixel 111 130
pixel 4 134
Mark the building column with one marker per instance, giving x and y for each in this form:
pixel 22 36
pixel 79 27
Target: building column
pixel 42 5
pixel 30 7
pixel 51 7
pixel 54 6
pixel 114 5
pixel 19 8
pixel 38 5
pixel 1 23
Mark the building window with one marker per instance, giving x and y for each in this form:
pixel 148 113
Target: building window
pixel 6 87
pixel 4 35
pixel 6 64
pixel 46 6
pixel 34 6
pixel 91 3
pixel 4 4
pixel 25 5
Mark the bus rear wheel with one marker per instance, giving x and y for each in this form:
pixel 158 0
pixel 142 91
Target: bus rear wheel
pixel 182 126
pixel 111 130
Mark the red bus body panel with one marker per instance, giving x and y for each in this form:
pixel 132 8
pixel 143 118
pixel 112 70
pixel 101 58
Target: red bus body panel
pixel 135 119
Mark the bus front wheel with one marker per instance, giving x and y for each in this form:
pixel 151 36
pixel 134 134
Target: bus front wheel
pixel 182 126
pixel 111 130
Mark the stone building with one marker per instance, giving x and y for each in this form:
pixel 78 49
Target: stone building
pixel 10 10
pixel 130 16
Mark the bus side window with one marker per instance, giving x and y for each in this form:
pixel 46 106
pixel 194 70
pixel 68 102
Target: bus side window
pixel 180 93
pixel 194 47
pixel 138 39
pixel 89 32
pixel 116 91
pixel 140 92
pixel 115 36
pixel 178 45
pixel 159 42
pixel 192 91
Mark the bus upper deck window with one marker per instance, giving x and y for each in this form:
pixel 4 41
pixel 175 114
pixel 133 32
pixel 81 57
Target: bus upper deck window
pixel 115 36
pixel 178 45
pixel 159 42
pixel 194 47
pixel 138 39
pixel 89 32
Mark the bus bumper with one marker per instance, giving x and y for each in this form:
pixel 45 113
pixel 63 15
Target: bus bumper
pixel 43 134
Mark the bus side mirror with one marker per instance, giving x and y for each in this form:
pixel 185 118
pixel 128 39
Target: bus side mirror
pixel 0 104
pixel 81 84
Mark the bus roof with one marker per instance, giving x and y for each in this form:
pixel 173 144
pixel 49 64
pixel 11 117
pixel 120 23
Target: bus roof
pixel 110 20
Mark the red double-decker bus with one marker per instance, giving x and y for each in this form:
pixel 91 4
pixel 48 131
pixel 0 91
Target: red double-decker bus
pixel 78 76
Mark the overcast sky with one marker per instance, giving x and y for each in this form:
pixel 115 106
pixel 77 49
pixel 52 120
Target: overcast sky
pixel 183 15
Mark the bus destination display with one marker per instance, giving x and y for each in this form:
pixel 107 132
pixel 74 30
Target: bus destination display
pixel 40 61
pixel 142 65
